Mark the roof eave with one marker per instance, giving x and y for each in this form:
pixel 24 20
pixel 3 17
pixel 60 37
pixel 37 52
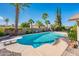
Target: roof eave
pixel 75 19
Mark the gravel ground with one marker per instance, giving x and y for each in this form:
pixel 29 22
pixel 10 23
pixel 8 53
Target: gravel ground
pixel 4 52
pixel 71 52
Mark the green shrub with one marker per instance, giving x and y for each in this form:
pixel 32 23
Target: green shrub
pixel 55 27
pixel 43 30
pixel 25 25
pixel 2 33
pixel 8 28
pixel 1 29
pixel 63 28
pixel 72 34
pixel 28 31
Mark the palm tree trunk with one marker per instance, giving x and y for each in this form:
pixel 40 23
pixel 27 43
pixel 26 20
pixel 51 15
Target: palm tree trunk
pixel 30 26
pixel 46 27
pixel 16 19
pixel 39 28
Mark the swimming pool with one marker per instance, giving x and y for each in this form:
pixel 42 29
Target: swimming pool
pixel 39 39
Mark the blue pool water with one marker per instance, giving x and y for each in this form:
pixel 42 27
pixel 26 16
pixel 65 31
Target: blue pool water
pixel 39 39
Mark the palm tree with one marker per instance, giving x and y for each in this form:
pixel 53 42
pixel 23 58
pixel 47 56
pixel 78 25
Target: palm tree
pixel 30 22
pixel 6 20
pixel 18 7
pixel 39 24
pixel 47 22
pixel 44 16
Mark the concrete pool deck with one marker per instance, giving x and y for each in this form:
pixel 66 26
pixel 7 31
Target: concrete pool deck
pixel 44 50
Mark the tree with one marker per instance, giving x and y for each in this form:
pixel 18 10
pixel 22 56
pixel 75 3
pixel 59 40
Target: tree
pixel 58 23
pixel 6 20
pixel 24 25
pixel 18 7
pixel 30 22
pixel 44 16
pixel 39 23
pixel 47 22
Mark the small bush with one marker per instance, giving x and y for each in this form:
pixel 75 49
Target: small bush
pixel 63 28
pixel 2 34
pixel 72 33
pixel 25 25
pixel 57 28
pixel 9 29
pixel 1 29
pixel 28 31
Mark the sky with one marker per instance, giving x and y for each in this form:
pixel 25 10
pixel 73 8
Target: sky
pixel 36 10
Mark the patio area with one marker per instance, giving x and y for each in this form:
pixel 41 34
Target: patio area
pixel 45 50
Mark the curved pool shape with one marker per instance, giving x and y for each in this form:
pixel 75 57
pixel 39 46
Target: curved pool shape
pixel 39 39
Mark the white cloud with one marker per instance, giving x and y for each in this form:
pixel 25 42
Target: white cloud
pixel 1 18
